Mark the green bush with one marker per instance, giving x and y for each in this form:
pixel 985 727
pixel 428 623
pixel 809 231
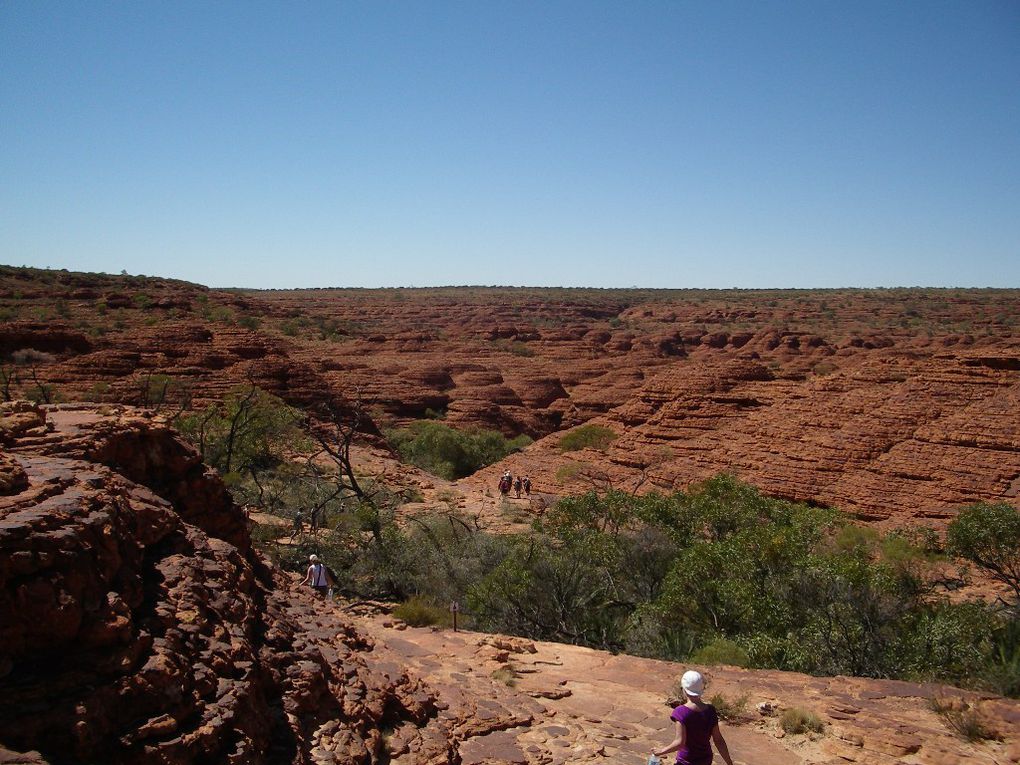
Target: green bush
pixel 989 536
pixel 450 453
pixel 587 437
pixel 1002 673
pixel 250 429
pixel 569 471
pixel 721 651
pixel 729 709
pixel 419 611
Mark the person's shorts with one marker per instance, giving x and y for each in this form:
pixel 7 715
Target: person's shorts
pixel 320 590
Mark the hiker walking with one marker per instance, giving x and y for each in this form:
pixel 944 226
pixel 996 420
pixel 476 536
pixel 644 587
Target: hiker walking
pixel 697 727
pixel 318 576
pixel 504 483
pixel 527 486
pixel 517 486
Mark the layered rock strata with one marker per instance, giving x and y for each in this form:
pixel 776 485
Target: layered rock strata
pixel 892 404
pixel 137 624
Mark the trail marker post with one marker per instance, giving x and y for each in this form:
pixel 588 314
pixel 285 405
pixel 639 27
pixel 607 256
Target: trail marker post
pixel 454 610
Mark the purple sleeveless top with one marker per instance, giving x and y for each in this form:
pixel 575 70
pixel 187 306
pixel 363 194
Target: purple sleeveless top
pixel 699 724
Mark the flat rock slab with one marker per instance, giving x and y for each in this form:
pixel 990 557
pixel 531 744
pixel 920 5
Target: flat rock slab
pixel 616 710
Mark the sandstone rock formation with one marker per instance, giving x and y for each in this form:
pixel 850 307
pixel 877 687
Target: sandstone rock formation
pixel 891 440
pixel 137 624
pixel 891 404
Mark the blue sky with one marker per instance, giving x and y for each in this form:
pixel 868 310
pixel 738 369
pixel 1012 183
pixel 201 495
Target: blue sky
pixel 656 144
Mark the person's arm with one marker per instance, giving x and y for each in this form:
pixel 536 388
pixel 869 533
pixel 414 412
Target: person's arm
pixel 308 576
pixel 676 743
pixel 720 744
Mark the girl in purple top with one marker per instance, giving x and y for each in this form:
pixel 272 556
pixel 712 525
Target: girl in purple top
pixel 697 726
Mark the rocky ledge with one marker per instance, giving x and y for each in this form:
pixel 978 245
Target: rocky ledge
pixel 137 624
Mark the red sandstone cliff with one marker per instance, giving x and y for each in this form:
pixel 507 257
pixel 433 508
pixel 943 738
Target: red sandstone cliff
pixel 138 625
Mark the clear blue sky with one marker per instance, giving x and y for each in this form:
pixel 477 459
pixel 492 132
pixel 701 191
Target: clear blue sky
pixel 658 144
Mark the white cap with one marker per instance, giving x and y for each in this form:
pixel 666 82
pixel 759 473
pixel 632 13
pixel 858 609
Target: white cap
pixel 313 558
pixel 693 683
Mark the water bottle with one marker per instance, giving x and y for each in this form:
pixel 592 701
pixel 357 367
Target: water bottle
pixel 654 760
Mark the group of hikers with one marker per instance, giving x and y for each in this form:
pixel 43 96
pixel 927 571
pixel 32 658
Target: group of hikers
pixel 519 483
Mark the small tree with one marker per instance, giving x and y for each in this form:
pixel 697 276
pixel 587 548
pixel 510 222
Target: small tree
pixel 8 379
pixel 989 535
pixel 158 390
pixel 31 359
pixel 248 432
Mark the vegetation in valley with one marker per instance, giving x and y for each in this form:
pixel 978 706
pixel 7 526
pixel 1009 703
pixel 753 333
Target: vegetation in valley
pixel 588 436
pixel 720 573
pixel 717 574
pixel 963 719
pixel 450 453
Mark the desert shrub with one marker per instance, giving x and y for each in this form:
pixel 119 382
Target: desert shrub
pixel 420 611
pixel 721 651
pixel 505 675
pixel 796 721
pixel 587 437
pixel 158 390
pixel 515 347
pixel 580 576
pixel 412 494
pixel 217 313
pixel 544 591
pixel 823 368
pixel 566 472
pixel 521 349
pixel 265 534
pixel 451 453
pixel 854 538
pixel 249 322
pixel 1002 673
pixel 962 719
pixel 99 391
pixel 727 708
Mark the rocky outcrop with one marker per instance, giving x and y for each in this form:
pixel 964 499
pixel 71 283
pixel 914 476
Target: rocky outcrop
pixel 138 625
pixel 889 440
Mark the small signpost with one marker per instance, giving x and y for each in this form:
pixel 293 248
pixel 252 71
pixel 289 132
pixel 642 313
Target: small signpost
pixel 454 610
